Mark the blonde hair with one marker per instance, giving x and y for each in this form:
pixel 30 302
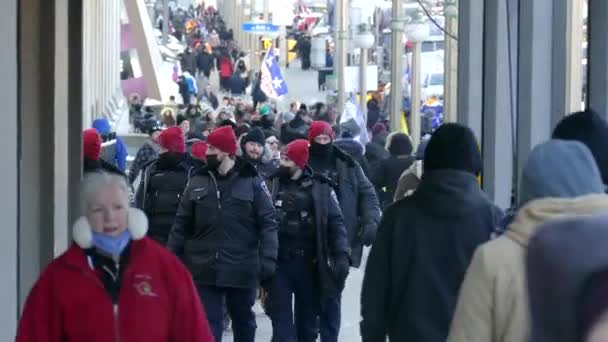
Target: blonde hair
pixel 93 181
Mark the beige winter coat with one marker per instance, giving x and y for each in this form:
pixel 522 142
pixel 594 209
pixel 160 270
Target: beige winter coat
pixel 493 302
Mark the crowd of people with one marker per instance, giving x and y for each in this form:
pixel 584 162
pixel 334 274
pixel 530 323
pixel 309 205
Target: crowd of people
pixel 231 202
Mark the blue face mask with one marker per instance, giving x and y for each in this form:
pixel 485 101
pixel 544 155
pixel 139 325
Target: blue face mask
pixel 112 245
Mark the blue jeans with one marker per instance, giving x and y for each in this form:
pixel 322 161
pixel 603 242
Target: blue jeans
pixel 239 303
pixel 295 277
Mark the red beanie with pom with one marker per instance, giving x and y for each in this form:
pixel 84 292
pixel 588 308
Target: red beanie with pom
pixel 319 128
pixel 173 140
pixel 199 150
pixel 91 144
pixel 223 139
pixel 297 151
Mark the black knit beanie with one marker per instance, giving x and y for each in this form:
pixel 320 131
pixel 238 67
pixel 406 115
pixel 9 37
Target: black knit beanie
pixel 591 129
pixel 453 146
pixel 255 135
pixel 400 144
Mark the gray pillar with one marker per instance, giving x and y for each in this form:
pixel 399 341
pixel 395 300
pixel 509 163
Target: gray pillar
pixel 497 105
pixel 470 64
pixel 9 171
pixel 597 80
pixel 535 83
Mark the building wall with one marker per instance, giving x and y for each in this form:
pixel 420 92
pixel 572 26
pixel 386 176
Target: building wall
pixel 101 58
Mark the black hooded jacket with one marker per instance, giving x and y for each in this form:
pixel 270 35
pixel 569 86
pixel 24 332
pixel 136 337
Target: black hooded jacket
pixel 225 229
pixel 417 263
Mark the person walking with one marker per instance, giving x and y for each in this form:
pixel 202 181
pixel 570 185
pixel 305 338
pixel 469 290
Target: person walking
pixel 359 206
pixel 147 152
pixel 225 231
pixel 493 301
pixel 425 244
pixel 163 182
pixel 566 268
pixel 387 175
pixel 313 250
pixel 113 283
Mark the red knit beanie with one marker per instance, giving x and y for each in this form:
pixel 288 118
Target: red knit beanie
pixel 297 151
pixel 91 144
pixel 319 128
pixel 172 139
pixel 223 139
pixel 199 150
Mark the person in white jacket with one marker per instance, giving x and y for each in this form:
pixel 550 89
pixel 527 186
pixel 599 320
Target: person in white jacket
pixel 560 179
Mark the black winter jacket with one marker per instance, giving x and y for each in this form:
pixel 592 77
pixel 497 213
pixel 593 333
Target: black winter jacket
pixel 160 190
pixel 418 261
pixel 387 175
pixel 358 202
pixel 225 230
pixel 331 240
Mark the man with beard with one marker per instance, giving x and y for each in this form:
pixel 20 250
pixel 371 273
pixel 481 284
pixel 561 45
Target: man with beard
pixel 313 254
pixel 253 146
pixel 359 205
pixel 163 182
pixel 225 231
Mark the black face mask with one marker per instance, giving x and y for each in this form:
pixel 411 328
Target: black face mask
pixel 317 149
pixel 213 162
pixel 284 172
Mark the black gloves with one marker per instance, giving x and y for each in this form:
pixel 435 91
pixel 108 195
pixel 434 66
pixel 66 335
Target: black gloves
pixel 341 267
pixel 267 269
pixel 368 234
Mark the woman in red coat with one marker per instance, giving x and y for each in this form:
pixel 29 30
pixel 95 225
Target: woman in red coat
pixel 113 283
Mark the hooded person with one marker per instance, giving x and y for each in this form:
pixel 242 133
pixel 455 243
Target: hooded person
pixel 566 264
pixel 410 178
pixel 114 150
pixel 493 306
pixel 358 202
pixel 425 244
pixel 162 183
pixel 349 130
pixel 375 150
pixel 91 149
pixel 297 128
pixel 591 129
pixel 254 150
pixel 389 171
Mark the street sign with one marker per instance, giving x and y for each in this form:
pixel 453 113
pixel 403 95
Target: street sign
pixel 259 28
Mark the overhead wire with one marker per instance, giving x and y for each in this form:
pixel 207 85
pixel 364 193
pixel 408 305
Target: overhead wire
pixel 430 17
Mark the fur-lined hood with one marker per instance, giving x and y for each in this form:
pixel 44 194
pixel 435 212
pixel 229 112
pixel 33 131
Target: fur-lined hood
pixel 83 234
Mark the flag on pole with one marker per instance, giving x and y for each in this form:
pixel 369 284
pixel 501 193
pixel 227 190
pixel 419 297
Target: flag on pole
pixel 272 82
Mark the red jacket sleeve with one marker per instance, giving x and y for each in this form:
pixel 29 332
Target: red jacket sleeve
pixel 41 319
pixel 189 320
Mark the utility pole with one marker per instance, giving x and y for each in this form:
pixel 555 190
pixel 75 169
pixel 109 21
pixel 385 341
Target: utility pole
pixel 165 22
pixel 396 66
pixel 450 68
pixel 341 46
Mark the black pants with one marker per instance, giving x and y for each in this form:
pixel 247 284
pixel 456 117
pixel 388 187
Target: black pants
pixel 239 303
pixel 296 277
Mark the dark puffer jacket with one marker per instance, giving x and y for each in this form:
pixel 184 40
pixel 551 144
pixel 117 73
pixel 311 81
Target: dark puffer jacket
pixel 158 195
pixel 418 261
pixel 225 230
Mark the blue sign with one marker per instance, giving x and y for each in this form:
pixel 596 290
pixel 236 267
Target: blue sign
pixel 260 28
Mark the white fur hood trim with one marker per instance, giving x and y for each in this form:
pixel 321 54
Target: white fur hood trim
pixel 83 235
